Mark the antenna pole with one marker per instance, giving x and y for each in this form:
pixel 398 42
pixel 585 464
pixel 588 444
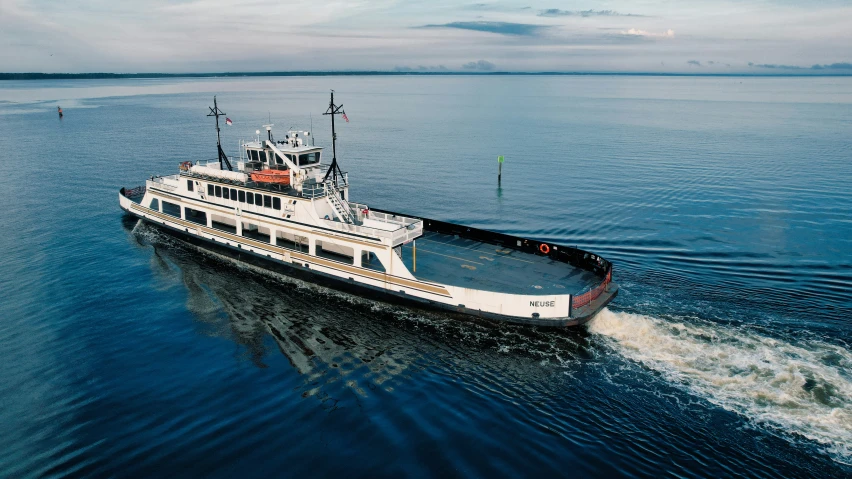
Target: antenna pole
pixel 333 132
pixel 216 112
pixel 333 110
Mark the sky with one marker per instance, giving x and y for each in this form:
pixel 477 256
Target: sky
pixel 181 36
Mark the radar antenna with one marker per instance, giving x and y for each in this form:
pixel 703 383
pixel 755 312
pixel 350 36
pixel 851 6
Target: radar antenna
pixel 333 110
pixel 215 111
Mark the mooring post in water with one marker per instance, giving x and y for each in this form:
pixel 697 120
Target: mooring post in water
pixel 499 169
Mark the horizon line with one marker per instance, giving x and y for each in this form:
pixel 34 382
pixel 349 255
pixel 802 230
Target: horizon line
pixel 106 75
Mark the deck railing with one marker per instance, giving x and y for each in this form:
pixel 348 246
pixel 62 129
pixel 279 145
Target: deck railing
pixel 592 294
pixel 131 193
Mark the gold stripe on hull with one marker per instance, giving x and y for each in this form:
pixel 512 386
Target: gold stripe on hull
pixel 383 277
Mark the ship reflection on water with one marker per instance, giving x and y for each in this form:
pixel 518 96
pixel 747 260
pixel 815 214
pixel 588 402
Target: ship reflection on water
pixel 317 329
pixel 322 331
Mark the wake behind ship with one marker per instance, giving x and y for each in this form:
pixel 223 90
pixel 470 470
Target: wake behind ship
pixel 282 208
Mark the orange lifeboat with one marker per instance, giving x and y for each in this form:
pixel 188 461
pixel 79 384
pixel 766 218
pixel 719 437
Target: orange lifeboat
pixel 277 177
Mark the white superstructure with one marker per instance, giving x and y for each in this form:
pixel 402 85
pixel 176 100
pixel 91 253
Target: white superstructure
pixel 305 220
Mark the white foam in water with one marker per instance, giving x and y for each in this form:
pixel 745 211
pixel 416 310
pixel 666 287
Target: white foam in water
pixel 803 388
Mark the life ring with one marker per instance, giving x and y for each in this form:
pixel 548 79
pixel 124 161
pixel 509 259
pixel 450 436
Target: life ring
pixel 365 211
pixel 544 248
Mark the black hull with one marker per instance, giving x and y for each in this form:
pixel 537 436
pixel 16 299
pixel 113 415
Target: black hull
pixel 360 289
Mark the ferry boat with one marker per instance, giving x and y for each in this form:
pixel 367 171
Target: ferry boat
pixel 281 207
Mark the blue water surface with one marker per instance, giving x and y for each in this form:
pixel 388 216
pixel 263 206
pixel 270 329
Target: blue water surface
pixel 724 204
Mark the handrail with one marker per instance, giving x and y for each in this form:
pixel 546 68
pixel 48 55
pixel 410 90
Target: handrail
pixel 138 191
pixel 592 294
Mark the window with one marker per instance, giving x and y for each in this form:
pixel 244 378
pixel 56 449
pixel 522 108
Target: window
pixel 234 194
pixel 218 191
pixel 242 196
pixel 155 204
pixel 189 185
pixel 250 197
pixel 276 203
pixel 210 191
pixel 196 216
pixel 335 252
pixel 171 209
pixel 225 193
pixel 258 199
pixel 309 158
pixel 253 155
pixel 267 201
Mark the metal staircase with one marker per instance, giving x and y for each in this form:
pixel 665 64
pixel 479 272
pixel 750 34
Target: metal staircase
pixel 341 208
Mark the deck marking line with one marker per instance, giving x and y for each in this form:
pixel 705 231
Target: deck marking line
pixel 453 257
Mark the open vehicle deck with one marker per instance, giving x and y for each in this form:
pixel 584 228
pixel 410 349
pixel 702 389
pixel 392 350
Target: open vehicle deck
pixel 452 260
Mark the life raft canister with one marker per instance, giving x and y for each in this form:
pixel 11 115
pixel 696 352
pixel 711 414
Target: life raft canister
pixel 544 248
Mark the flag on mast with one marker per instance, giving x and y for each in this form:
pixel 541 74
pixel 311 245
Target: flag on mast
pixel 228 121
pixel 346 118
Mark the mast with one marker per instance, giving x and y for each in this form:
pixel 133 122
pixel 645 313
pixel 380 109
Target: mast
pixel 333 110
pixel 215 111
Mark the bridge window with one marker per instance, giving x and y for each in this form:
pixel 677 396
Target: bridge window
pixel 258 199
pixel 189 185
pixel 280 161
pixel 250 198
pixel 276 203
pixel 210 191
pixel 225 193
pixel 242 196
pixel 218 191
pixel 267 201
pixel 234 194
pixel 309 158
pixel 155 204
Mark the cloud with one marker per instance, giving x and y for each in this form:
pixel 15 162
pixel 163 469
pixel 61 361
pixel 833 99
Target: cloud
pixel 555 12
pixel 481 65
pixel 421 68
pixel 694 62
pixel 833 66
pixel 774 66
pixel 644 33
pixel 830 66
pixel 501 28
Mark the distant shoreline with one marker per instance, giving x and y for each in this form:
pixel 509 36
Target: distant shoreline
pixel 99 76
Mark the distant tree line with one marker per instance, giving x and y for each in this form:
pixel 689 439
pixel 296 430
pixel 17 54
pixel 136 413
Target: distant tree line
pixel 94 76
